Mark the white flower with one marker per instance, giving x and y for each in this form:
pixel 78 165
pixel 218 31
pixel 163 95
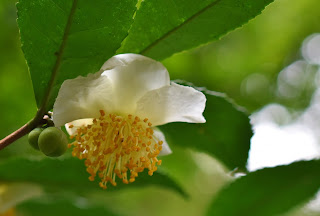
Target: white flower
pixel 112 115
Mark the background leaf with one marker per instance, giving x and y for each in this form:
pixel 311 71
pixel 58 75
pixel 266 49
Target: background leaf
pixel 96 32
pixel 270 191
pixel 61 208
pixel 162 28
pixel 70 174
pixel 226 134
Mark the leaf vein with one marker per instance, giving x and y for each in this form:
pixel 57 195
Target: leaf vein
pixel 58 6
pixel 36 27
pixel 57 64
pixel 172 31
pixel 87 30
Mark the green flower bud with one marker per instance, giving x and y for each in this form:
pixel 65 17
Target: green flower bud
pixel 33 137
pixel 53 142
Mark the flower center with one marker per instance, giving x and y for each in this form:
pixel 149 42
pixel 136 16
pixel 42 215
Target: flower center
pixel 119 146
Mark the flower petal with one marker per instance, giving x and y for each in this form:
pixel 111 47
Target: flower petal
pixel 82 97
pixel 133 75
pixel 165 147
pixel 174 103
pixel 77 124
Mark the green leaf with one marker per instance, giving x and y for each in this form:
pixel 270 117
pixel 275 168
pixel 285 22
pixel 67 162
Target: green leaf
pixel 70 174
pixel 68 38
pixel 162 28
pixel 226 134
pixel 61 208
pixel 270 191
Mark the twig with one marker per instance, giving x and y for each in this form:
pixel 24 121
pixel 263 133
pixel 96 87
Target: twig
pixel 14 136
pixel 25 129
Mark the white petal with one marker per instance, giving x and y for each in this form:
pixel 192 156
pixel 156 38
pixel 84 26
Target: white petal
pixel 82 97
pixel 165 147
pixel 174 103
pixel 77 124
pixel 133 75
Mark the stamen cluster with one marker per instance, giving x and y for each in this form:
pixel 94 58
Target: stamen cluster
pixel 116 145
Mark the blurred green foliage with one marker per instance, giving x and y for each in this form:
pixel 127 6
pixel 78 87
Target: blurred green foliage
pixel 16 97
pixel 272 190
pixel 263 47
pixel 60 207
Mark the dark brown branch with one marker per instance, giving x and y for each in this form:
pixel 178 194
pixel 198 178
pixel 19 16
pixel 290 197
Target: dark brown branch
pixel 25 129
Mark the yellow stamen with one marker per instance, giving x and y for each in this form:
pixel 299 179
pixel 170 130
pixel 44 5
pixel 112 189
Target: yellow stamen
pixel 117 147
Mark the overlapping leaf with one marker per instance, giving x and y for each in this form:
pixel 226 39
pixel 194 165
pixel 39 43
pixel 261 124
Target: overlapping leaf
pixel 162 28
pixel 269 192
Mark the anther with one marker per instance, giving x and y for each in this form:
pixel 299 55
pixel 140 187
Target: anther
pixel 117 147
pixel 102 113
